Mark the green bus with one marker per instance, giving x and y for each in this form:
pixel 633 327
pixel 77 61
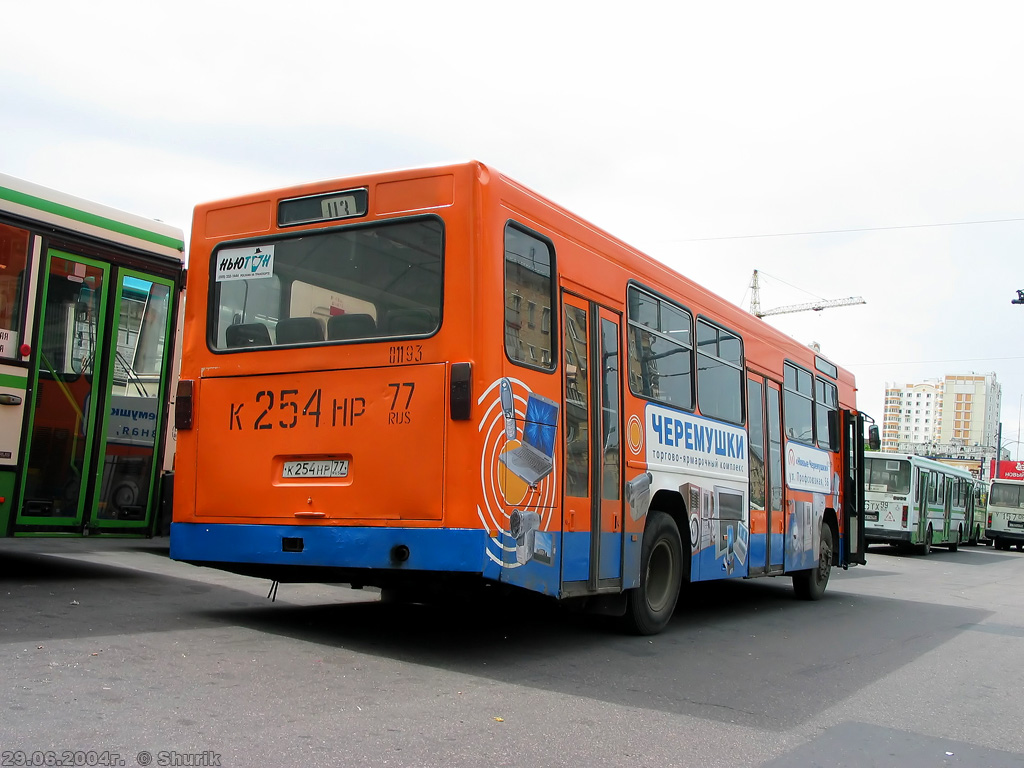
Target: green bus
pixel 88 310
pixel 914 502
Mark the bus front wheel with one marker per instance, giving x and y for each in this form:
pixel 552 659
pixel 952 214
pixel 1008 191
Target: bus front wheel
pixel 651 604
pixel 810 584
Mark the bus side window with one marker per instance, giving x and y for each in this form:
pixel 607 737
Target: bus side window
pixel 529 265
pixel 14 250
pixel 798 402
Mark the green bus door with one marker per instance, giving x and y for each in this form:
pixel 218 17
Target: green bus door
pixel 99 379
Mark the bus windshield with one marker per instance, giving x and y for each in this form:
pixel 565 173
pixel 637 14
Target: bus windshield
pixel 887 475
pixel 1004 495
pixel 377 281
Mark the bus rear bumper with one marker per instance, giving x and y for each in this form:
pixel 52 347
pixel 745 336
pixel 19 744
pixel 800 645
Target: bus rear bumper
pixel 1016 537
pixel 886 536
pixel 299 547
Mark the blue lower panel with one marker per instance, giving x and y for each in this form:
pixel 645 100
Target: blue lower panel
pixel 707 565
pixel 778 548
pixel 576 556
pixel 756 558
pixel 430 549
pixel 566 557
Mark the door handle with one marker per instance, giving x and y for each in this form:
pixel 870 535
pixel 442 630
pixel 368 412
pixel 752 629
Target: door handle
pixel 10 400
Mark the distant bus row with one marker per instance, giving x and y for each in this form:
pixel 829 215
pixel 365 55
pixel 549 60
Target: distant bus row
pixel 915 503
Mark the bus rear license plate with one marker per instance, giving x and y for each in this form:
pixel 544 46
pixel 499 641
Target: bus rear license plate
pixel 871 517
pixel 1015 523
pixel 319 468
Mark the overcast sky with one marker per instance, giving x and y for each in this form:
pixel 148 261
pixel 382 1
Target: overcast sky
pixel 711 135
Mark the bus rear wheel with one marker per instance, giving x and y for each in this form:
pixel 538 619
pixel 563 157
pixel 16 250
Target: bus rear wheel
pixel 926 545
pixel 955 544
pixel 810 584
pixel 650 605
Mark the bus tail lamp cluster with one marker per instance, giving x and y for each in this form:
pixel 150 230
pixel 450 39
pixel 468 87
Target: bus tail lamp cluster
pixel 906 510
pixel 461 391
pixel 183 405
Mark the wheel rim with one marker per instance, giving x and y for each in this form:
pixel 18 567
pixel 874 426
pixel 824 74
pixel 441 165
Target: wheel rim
pixel 824 561
pixel 660 576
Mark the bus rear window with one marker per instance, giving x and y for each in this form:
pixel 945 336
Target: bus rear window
pixel 360 283
pixel 1005 495
pixel 887 475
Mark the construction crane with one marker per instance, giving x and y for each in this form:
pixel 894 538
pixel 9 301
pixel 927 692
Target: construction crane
pixel 816 306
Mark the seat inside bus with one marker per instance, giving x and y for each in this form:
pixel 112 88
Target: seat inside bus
pixel 351 326
pixel 247 335
pixel 299 330
pixel 402 322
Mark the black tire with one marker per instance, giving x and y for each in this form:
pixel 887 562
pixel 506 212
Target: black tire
pixel 926 546
pixel 650 606
pixel 810 584
pixel 956 544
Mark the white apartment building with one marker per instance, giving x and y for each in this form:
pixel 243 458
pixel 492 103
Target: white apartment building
pixel 912 414
pixel 954 416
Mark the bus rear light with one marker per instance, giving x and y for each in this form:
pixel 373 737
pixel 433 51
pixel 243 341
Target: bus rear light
pixel 460 399
pixel 183 405
pixel 989 519
pixel 905 512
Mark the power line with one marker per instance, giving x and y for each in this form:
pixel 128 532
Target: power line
pixel 773 277
pixel 927 362
pixel 841 231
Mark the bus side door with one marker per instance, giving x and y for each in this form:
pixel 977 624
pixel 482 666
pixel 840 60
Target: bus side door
pixel 947 509
pixel 854 545
pixel 592 522
pixel 926 488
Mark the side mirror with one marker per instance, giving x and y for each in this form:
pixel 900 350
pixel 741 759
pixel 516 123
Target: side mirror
pixel 874 441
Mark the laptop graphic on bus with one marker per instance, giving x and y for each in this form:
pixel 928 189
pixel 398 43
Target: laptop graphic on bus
pixel 533 460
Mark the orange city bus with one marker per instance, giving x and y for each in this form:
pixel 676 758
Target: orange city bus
pixel 426 378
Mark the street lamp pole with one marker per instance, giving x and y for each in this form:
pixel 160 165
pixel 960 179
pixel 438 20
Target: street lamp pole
pixel 999 449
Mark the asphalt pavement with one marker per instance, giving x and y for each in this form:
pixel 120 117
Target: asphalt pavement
pixel 112 654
